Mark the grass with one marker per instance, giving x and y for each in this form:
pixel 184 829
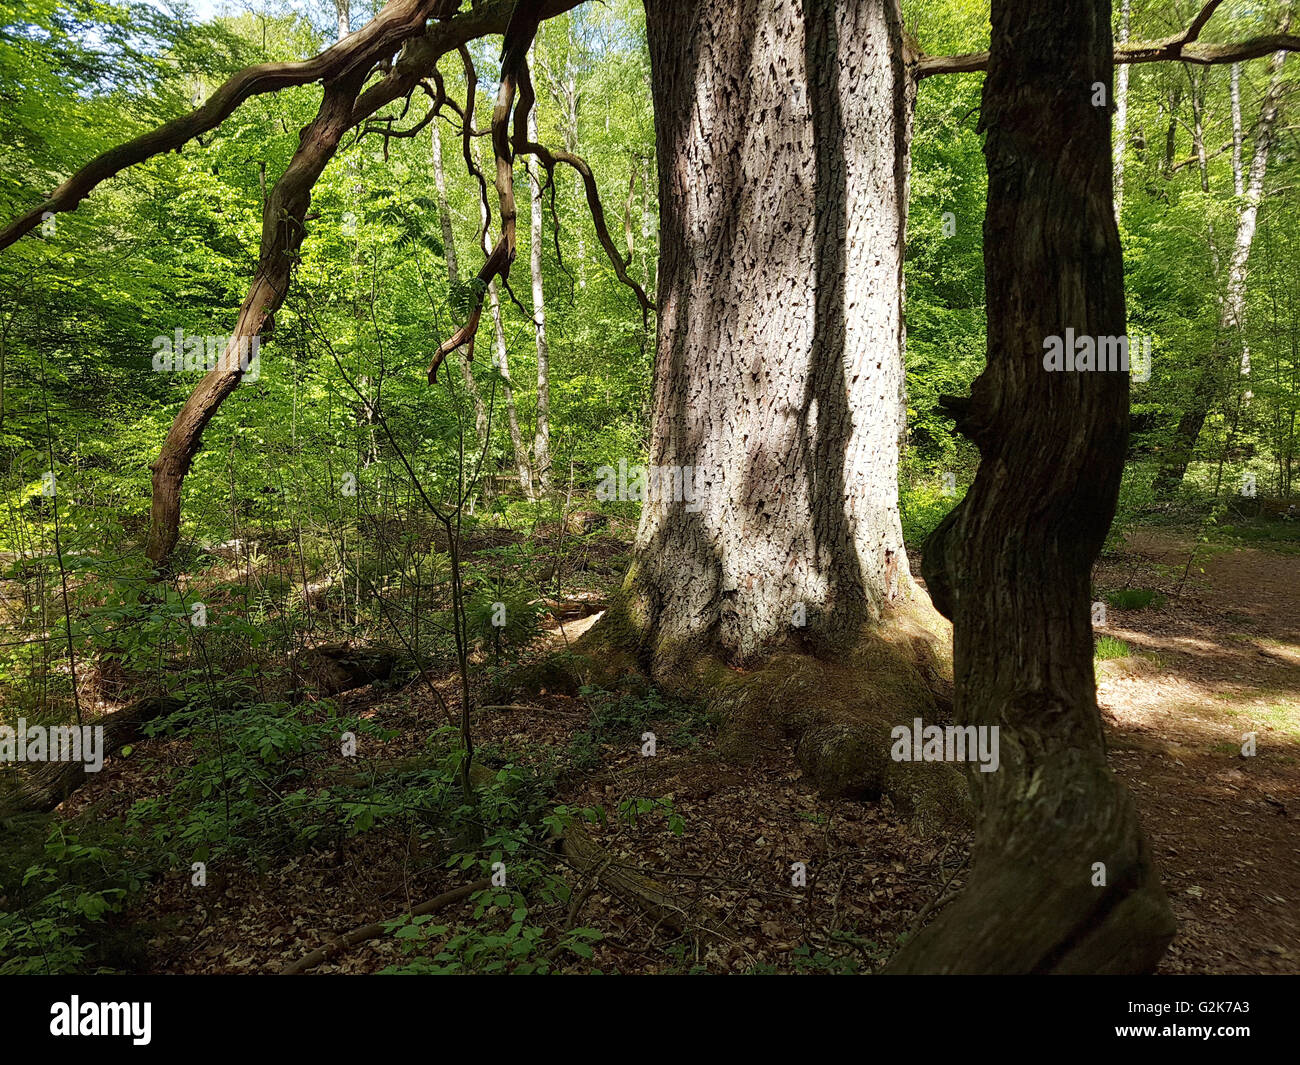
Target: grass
pixel 1110 647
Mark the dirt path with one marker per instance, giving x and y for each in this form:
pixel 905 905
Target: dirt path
pixel 1220 659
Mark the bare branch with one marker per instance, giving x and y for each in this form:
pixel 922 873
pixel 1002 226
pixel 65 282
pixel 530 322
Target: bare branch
pixel 518 37
pixel 548 158
pixel 1184 47
pixel 401 24
pixel 383 35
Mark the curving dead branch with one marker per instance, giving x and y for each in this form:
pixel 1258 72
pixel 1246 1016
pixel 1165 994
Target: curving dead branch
pixel 1182 47
pixel 383 35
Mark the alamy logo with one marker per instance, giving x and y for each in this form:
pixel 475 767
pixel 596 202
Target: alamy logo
pixel 57 743
pixel 1102 354
pixel 102 1018
pixel 656 484
pixel 181 352
pixel 950 743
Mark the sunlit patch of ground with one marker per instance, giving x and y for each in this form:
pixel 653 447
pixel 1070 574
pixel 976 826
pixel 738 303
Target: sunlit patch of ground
pixel 1213 668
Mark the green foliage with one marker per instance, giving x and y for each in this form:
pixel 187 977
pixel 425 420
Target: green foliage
pixel 1105 647
pixel 57 894
pixel 922 504
pixel 1135 598
pixel 240 797
pixel 506 617
pixel 621 718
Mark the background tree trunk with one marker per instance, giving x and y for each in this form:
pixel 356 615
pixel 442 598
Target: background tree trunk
pixel 1121 113
pixel 501 359
pixel 1011 564
pixel 782 133
pixel 1232 315
pixel 542 436
pixel 453 275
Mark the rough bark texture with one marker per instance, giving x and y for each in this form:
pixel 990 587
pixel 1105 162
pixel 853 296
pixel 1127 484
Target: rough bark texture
pixel 1011 564
pixel 782 135
pixel 42 787
pixel 771 537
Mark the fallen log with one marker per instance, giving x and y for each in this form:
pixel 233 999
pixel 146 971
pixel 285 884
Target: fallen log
pixel 334 668
pixel 41 786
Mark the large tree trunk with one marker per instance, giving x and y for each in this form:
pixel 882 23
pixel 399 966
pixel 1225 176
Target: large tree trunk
pixel 770 537
pixel 1207 387
pixel 782 133
pixel 1011 564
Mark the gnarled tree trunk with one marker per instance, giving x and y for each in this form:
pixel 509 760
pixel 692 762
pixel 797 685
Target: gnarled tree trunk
pixel 1062 879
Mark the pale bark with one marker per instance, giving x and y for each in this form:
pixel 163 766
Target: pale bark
pixel 1233 309
pixel 779 371
pixel 344 67
pixel 564 91
pixel 1238 178
pixel 648 262
pixel 501 359
pixel 542 436
pixel 1121 113
pixel 1234 313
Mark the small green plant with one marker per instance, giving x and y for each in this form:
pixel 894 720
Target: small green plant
pixel 1110 647
pixel 54 910
pixel 504 618
pixel 520 923
pixel 623 717
pixel 1135 598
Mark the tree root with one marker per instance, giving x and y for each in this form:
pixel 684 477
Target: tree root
pixel 838 714
pixel 632 886
pixel 1062 882
pixel 372 931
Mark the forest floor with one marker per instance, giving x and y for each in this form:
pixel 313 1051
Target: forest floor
pixel 1218 660
pixel 1215 657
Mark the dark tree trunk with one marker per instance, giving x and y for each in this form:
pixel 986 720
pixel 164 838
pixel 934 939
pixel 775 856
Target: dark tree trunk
pixel 1010 565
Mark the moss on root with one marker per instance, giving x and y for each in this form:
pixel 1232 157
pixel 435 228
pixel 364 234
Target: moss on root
pixel 839 714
